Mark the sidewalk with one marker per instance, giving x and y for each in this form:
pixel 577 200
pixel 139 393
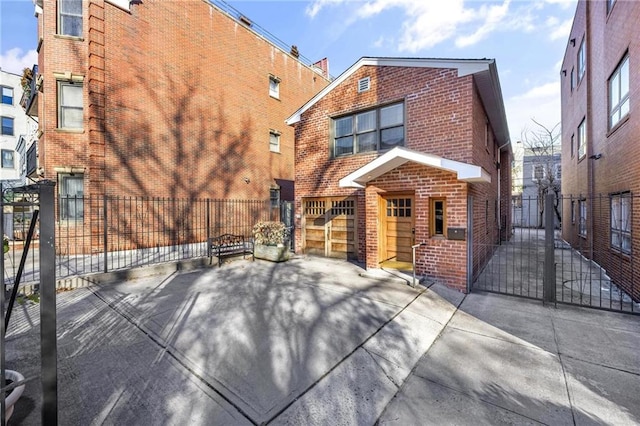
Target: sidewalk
pixel 310 341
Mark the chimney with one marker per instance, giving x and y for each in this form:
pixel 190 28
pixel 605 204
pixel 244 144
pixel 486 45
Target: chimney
pixel 323 66
pixel 294 51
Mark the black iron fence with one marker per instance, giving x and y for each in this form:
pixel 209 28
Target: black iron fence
pixel 107 233
pixel 571 249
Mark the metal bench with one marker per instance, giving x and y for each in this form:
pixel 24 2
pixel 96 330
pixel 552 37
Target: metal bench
pixel 230 245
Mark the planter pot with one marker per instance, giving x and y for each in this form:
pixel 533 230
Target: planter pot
pixel 272 253
pixel 15 393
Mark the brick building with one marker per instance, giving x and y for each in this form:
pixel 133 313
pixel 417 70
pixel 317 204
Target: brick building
pixel 600 86
pixel 396 152
pixel 165 99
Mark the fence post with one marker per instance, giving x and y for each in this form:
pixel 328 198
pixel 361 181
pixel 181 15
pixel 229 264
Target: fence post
pixel 549 294
pixel 48 336
pixel 105 230
pixel 208 226
pixel 469 242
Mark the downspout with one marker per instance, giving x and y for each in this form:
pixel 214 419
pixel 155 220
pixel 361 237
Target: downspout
pixel 589 147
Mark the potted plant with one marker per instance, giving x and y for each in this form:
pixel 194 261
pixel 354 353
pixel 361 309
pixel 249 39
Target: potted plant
pixel 269 241
pixel 11 397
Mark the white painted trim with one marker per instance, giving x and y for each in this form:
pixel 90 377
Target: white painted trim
pixel 122 4
pixel 399 156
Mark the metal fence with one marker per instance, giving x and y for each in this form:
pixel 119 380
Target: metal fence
pixel 107 233
pixel 584 253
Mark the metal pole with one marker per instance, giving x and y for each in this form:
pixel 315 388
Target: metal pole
pixel 413 261
pixel 2 297
pixel 48 337
pixel 105 230
pixel 549 293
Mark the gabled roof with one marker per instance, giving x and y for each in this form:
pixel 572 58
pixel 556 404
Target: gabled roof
pixel 399 156
pixel 483 70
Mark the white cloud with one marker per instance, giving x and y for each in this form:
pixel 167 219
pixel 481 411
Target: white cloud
pixel 561 31
pixel 316 6
pixel 541 103
pixel 493 16
pixel 15 60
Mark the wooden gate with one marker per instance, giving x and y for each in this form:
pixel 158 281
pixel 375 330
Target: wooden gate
pixel 330 227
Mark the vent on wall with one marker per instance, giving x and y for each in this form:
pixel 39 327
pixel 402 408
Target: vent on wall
pixel 364 84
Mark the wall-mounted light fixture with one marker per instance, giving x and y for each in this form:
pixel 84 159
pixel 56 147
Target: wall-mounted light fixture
pixel 573 42
pixel 564 72
pixel 596 156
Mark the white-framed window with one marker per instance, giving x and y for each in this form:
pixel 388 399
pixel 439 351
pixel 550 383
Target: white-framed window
pixel 7 95
pixel 274 141
pixel 582 139
pixel 274 198
pixel 70 105
pixel 374 130
pixel 274 87
pixel 70 17
pixel 364 84
pixel 538 172
pixel 582 218
pixel 8 156
pixel 619 93
pixel 621 222
pixel 7 126
pixel 582 60
pixel 71 196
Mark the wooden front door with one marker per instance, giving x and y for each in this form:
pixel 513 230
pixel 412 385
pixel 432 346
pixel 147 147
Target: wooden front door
pixel 330 227
pixel 397 227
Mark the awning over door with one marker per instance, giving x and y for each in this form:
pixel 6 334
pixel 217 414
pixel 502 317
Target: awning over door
pixel 399 156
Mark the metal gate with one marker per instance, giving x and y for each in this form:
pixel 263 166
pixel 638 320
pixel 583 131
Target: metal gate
pixel 583 255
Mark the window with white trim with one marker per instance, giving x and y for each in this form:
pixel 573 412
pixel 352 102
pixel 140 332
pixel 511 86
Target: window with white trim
pixel 70 105
pixel 7 95
pixel 621 222
pixel 274 197
pixel 582 218
pixel 538 172
pixel 71 196
pixel 274 141
pixel 619 93
pixel 274 87
pixel 7 126
pixel 7 159
pixel 582 139
pixel 70 17
pixel 582 60
pixel 374 130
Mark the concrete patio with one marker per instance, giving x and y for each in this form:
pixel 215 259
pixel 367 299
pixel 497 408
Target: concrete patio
pixel 312 341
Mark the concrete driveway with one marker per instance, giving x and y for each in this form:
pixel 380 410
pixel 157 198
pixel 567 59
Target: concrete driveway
pixel 311 341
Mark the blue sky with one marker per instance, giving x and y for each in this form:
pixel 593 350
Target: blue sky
pixel 527 39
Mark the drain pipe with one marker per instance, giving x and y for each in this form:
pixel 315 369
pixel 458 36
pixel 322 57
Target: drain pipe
pixel 413 261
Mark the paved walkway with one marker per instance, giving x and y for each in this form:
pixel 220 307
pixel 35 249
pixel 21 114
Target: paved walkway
pixel 311 341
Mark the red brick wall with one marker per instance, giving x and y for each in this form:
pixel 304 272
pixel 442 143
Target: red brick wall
pixel 176 102
pixel 444 117
pixel 610 35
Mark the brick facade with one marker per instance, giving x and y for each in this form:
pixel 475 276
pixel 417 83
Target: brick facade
pixel 444 116
pixel 611 164
pixel 176 101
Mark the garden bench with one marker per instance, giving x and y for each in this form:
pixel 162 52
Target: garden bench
pixel 229 245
